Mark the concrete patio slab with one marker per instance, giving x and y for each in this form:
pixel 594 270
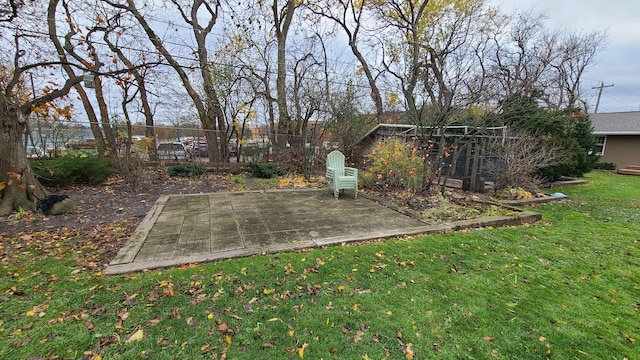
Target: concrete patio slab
pixel 183 229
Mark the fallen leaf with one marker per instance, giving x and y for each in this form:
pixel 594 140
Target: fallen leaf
pixel 358 336
pixel 136 336
pixel 146 353
pixel 168 291
pixel 191 323
pixel 124 315
pixel 268 346
pixel 301 350
pixel 408 351
pixel 488 338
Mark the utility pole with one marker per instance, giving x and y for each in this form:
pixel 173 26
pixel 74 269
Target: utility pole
pixel 601 87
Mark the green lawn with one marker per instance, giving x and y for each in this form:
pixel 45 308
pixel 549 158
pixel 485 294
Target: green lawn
pixel 565 288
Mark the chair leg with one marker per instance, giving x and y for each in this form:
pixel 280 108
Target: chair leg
pixel 336 193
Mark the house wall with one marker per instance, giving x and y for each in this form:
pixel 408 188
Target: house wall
pixel 622 150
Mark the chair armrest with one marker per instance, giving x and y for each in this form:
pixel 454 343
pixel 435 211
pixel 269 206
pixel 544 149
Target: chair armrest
pixel 349 171
pixel 331 172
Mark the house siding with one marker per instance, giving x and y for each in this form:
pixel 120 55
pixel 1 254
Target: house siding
pixel 622 150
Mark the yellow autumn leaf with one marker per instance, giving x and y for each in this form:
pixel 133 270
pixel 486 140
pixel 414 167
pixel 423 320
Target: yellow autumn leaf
pixel 210 316
pixel 301 350
pixel 409 351
pixel 137 336
pixel 227 339
pixel 2 186
pixel 267 291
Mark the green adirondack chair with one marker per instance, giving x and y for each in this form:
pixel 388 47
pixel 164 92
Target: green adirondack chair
pixel 340 177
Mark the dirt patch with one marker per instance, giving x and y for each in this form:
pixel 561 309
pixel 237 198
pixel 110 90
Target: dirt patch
pixel 112 202
pixel 438 207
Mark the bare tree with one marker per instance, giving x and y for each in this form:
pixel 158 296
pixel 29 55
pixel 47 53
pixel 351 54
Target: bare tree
pixel 520 55
pixel 115 25
pixel 282 19
pixel 437 60
pixel 17 182
pixel 350 16
pixel 576 52
pixel 514 159
pixel 105 142
pixel 207 103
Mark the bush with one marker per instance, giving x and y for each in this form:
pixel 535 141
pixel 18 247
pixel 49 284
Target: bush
pixel 183 170
pixel 266 171
pixel 605 166
pixel 394 166
pixel 74 168
pixel 568 129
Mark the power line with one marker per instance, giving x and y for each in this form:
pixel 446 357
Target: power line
pixel 195 64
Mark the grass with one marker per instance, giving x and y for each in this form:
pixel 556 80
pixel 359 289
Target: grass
pixel 565 288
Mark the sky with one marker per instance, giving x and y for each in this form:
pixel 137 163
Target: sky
pixel 618 63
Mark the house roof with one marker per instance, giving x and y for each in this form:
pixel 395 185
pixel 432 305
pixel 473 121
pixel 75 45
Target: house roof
pixel 616 123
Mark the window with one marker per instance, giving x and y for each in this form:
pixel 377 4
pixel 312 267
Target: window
pixel 600 143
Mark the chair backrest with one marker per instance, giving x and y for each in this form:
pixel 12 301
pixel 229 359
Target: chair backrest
pixel 335 160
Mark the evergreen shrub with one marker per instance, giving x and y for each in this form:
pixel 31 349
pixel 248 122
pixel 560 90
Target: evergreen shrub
pixel 186 170
pixel 78 167
pixel 265 171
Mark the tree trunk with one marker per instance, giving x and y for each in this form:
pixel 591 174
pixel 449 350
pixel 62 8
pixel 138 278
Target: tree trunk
pixel 282 21
pixel 110 141
pixel 17 181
